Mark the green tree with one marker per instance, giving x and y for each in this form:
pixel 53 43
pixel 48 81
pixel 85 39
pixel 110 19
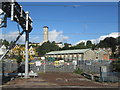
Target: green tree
pixel 19 57
pixel 6 43
pixel 66 46
pixel 116 66
pixel 108 42
pixel 89 44
pixel 118 40
pixel 80 46
pixel 46 47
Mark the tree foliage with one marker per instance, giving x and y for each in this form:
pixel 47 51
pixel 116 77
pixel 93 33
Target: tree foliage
pixel 5 42
pixel 46 47
pixel 66 46
pixel 116 66
pixel 89 44
pixel 108 42
pixel 118 40
pixel 80 46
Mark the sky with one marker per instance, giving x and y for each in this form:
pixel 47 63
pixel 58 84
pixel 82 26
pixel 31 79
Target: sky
pixel 68 22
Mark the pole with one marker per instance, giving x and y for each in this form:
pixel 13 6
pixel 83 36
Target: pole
pixel 12 10
pixel 44 65
pixel 26 46
pixel 26 56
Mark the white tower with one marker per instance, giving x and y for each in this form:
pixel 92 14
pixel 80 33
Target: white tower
pixel 45 28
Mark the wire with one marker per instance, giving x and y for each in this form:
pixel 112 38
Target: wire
pixel 48 20
pixel 66 33
pixel 70 21
pixel 65 5
pixel 77 34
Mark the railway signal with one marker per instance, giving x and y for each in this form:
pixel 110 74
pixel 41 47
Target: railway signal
pixel 14 11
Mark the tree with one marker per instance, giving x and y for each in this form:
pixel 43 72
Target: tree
pixel 89 44
pixel 5 42
pixel 80 46
pixel 18 57
pixel 108 42
pixel 118 40
pixel 46 47
pixel 116 65
pixel 66 46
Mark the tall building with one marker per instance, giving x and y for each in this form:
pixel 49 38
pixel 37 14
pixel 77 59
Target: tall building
pixel 45 28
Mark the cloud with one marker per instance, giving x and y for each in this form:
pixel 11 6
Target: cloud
pixel 34 38
pixel 11 36
pixel 114 35
pixel 53 36
pixel 57 36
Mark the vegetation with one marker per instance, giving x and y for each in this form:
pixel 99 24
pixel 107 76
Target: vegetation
pixel 19 56
pixel 46 47
pixel 108 42
pixel 19 59
pixel 78 71
pixel 116 66
pixel 4 42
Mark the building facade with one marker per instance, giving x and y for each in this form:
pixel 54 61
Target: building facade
pixel 79 54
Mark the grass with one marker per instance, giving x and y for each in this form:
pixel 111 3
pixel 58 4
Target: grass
pixel 78 71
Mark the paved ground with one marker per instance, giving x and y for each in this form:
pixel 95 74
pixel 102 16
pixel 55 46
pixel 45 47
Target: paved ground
pixel 56 79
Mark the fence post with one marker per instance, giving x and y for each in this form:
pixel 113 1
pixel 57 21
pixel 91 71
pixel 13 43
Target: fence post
pixel 103 73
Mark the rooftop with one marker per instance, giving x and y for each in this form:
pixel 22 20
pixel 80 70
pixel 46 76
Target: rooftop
pixel 68 51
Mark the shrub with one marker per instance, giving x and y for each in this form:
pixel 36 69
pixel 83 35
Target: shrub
pixel 78 71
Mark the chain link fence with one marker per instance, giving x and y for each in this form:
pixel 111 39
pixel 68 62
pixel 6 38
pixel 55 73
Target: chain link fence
pixel 52 68
pixel 93 66
pixel 7 66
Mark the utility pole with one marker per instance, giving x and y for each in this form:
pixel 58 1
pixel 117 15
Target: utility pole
pixel 26 46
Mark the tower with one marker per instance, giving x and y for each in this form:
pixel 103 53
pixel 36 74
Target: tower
pixel 45 28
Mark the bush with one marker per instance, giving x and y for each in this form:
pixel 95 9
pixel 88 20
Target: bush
pixel 116 65
pixel 78 71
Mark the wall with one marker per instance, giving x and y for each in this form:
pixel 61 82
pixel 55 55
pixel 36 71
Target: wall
pixel 89 55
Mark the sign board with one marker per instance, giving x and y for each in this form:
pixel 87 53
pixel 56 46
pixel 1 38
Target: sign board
pixel 74 62
pixel 43 58
pixel 103 69
pixel 88 63
pixel 38 63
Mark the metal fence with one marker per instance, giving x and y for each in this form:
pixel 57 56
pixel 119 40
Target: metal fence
pixel 110 76
pixel 52 68
pixel 7 66
pixel 93 66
